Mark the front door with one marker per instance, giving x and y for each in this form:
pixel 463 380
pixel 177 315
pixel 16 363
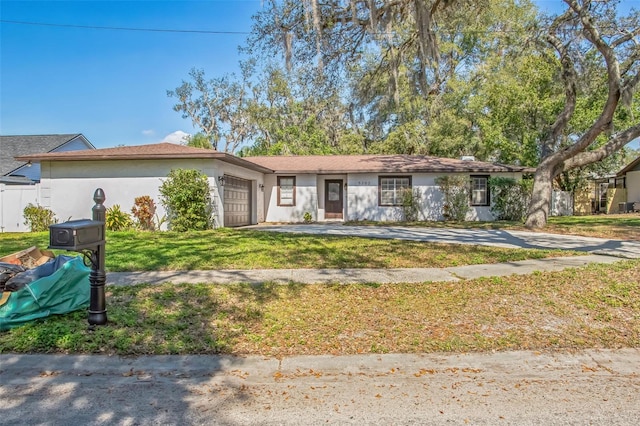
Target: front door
pixel 602 197
pixel 333 199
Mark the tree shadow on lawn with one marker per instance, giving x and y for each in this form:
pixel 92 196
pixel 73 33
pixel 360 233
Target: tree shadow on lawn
pixel 116 382
pixel 232 250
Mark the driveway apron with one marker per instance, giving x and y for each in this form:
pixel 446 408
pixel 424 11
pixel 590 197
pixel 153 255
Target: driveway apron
pixel 485 237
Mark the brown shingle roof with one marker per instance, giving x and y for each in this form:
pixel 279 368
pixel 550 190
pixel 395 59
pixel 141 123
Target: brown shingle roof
pixel 320 164
pixel 157 151
pixel 378 164
pixel 153 151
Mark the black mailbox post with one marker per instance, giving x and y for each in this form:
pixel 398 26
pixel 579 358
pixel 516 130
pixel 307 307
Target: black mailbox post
pixel 87 237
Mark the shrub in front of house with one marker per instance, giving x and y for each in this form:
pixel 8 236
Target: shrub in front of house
pixel 455 190
pixel 144 209
pixel 510 198
pixel 38 218
pixel 186 196
pixel 410 204
pixel 116 219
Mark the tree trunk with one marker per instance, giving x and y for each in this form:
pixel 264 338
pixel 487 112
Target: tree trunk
pixel 540 197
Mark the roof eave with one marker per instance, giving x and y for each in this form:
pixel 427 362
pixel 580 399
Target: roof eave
pixel 396 171
pixel 92 156
pixel 628 167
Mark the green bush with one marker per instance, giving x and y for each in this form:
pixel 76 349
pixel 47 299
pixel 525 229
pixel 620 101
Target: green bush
pixel 116 219
pixel 456 197
pixel 307 217
pixel 510 198
pixel 186 196
pixel 144 209
pixel 38 218
pixel 410 204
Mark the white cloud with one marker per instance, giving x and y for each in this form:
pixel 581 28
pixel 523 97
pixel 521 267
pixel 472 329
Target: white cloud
pixel 176 137
pixel 149 132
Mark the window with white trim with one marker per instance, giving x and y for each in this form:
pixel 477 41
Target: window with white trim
pixel 390 189
pixel 479 190
pixel 286 191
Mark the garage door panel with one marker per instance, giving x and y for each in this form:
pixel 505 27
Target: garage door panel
pixel 237 201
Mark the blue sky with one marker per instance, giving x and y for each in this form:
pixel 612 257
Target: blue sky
pixel 111 85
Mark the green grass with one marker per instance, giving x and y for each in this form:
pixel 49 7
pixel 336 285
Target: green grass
pixel 250 249
pixel 597 306
pixel 592 307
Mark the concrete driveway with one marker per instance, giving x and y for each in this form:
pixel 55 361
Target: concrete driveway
pixel 487 237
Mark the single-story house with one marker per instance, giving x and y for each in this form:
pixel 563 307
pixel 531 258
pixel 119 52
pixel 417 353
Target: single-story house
pixel 19 178
pixel 616 193
pixel 629 179
pixel 250 190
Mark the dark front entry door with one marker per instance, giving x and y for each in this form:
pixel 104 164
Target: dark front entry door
pixel 333 199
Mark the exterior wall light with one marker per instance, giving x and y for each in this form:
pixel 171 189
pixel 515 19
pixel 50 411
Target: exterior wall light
pixel 221 180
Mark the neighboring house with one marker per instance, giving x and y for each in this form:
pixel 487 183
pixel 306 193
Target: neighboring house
pixel 251 190
pixel 19 178
pixel 629 179
pixel 619 193
pixel 16 171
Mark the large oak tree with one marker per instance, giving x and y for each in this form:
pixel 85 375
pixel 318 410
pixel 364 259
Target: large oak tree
pixel 589 31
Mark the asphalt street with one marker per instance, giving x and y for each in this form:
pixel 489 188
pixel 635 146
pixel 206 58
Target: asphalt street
pixel 600 387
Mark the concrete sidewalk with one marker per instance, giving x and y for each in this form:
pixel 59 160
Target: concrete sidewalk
pixel 510 388
pixel 354 276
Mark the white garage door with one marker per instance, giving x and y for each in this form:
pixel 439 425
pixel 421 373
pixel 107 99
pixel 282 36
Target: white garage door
pixel 237 201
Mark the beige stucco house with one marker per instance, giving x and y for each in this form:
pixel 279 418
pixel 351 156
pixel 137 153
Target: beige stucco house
pixel 619 193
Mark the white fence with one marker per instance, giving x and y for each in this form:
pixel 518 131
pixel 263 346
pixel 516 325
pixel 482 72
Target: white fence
pixel 13 200
pixel 561 203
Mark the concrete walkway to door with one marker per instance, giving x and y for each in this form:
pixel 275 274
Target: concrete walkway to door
pixel 486 237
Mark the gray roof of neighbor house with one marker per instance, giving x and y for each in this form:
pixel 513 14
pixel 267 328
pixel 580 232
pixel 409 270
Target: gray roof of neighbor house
pixel 17 146
pixel 380 164
pixel 159 151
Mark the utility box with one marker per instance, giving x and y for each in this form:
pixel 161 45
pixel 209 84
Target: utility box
pixel 76 235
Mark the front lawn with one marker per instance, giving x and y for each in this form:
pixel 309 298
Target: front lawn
pixel 597 306
pixel 250 249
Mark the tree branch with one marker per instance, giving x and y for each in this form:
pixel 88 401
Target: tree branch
pixel 615 143
pixel 603 122
pixel 569 78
